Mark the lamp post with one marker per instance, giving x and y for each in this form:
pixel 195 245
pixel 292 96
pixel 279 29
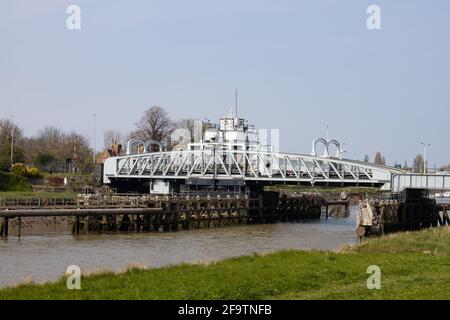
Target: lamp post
pixel 425 149
pixel 12 141
pixel 95 134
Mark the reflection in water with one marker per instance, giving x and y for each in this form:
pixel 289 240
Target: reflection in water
pixel 46 257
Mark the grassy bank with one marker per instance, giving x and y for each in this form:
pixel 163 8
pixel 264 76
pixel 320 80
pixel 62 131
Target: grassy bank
pixel 31 194
pixel 414 266
pixel 12 183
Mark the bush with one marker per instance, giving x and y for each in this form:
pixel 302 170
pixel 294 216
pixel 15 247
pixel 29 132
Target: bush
pixel 5 156
pixel 33 173
pixel 11 182
pixel 56 181
pixel 19 169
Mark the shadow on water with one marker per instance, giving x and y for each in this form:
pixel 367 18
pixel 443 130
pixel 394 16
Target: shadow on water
pixel 46 257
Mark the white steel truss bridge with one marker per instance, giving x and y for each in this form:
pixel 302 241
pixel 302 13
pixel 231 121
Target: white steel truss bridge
pixel 248 166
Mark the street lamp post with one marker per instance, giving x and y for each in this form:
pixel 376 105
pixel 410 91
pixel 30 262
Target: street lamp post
pixel 95 134
pixel 12 142
pixel 425 147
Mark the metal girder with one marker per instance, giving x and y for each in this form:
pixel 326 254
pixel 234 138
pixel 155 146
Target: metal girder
pixel 250 165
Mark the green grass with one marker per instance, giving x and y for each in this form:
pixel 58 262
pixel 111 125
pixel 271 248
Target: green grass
pixel 12 186
pixel 414 266
pixel 31 194
pixel 66 175
pixel 11 182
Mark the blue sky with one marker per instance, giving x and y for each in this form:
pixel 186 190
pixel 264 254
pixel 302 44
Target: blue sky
pixel 298 65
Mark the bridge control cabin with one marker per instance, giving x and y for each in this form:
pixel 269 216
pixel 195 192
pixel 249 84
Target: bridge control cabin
pixel 232 155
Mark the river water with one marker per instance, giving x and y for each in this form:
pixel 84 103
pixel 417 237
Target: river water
pixel 46 257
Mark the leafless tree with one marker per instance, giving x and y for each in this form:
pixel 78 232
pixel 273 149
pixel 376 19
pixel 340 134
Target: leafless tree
pixel 112 137
pixel 7 128
pixel 418 164
pixel 155 124
pixel 405 166
pixel 379 159
pixel 76 147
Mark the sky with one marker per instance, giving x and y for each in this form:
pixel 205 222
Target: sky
pixel 298 67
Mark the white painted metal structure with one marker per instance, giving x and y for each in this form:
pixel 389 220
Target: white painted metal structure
pixel 233 150
pixel 225 164
pixel 401 181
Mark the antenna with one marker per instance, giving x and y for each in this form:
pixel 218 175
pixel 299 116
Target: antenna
pixel 236 104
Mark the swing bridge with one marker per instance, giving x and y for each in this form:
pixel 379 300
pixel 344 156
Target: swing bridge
pixel 245 167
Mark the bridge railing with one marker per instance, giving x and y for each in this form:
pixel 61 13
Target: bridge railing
pixel 437 182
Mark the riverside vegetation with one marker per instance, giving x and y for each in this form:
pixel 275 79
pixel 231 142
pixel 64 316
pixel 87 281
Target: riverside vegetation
pixel 414 265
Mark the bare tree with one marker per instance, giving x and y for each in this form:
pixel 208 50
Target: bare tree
pixel 418 164
pixel 76 148
pixel 112 137
pixel 379 159
pixel 155 124
pixel 405 166
pixel 49 140
pixel 7 129
pixel 186 124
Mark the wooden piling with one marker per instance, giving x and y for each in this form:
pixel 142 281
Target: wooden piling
pixel 5 225
pixel 19 227
pixel 77 225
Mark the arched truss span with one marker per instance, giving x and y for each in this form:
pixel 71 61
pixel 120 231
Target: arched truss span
pixel 246 165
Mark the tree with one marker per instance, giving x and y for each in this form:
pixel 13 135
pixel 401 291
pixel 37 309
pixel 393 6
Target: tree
pixel 76 148
pixel 112 137
pixel 405 166
pixel 155 124
pixel 5 156
pixel 379 159
pixel 43 160
pixel 186 124
pixel 50 140
pixel 8 131
pixel 418 164
pixel 366 158
pixel 194 128
pixel 7 128
pixel 54 145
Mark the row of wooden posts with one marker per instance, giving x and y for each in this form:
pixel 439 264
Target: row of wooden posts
pixel 173 214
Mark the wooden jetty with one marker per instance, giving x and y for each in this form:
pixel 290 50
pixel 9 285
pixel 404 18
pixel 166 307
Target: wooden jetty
pixel 412 209
pixel 168 213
